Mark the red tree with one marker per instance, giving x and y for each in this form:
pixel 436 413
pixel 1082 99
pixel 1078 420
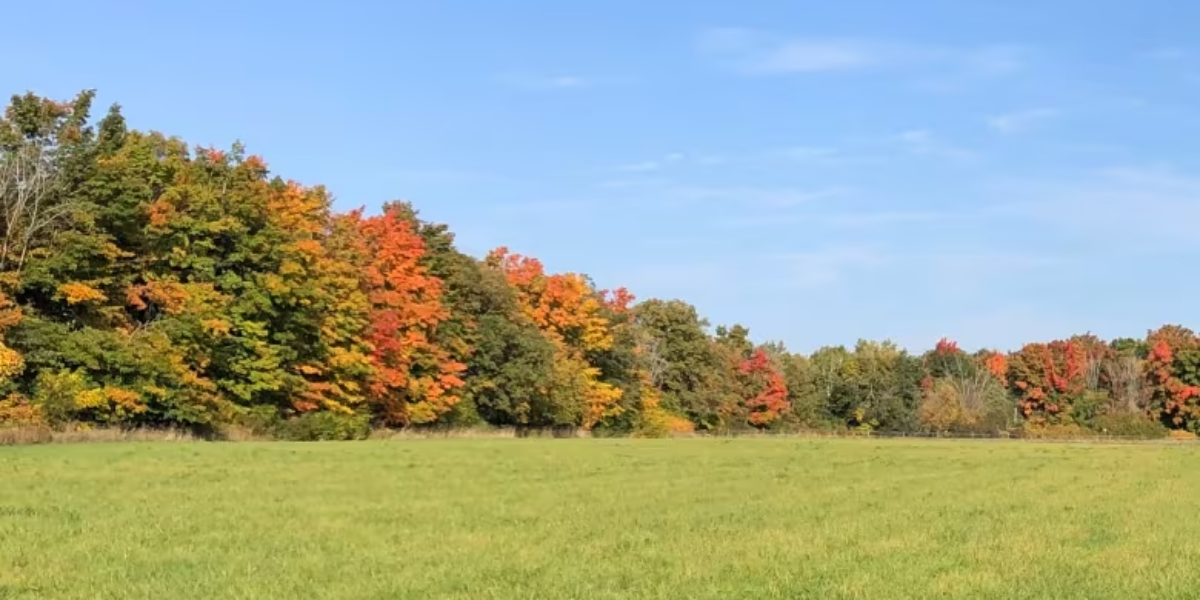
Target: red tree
pixel 414 378
pixel 765 391
pixel 1174 398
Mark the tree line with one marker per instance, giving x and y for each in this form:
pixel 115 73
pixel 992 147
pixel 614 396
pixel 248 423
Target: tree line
pixel 146 283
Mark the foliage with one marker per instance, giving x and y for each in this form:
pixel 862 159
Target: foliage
pixel 571 314
pixel 17 411
pixel 765 391
pixel 1053 380
pixel 148 283
pixel 1129 425
pixel 415 379
pixel 1173 365
pixel 1052 431
pixel 323 427
pixel 58 395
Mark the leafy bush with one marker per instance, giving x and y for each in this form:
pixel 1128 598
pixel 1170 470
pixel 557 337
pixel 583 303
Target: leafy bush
pixel 324 427
pixel 463 415
pixel 1087 407
pixel 56 394
pixel 1133 425
pixel 16 411
pixel 1053 431
pixel 655 422
pixel 266 422
pixel 261 421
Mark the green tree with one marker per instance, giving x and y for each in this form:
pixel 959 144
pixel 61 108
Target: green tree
pixel 683 362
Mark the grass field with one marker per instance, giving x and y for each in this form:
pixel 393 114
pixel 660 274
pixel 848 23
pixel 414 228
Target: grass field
pixel 595 519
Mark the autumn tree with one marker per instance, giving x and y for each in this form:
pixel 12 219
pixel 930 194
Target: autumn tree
pixel 74 283
pixel 12 364
pixel 963 392
pixel 764 390
pixel 147 282
pixel 1173 369
pixel 941 406
pixel 415 379
pixel 1060 382
pixel 45 152
pixel 568 310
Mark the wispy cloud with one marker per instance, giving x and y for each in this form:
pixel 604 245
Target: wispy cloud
pixel 758 52
pixel 925 143
pixel 850 219
pixel 1168 53
pixel 671 278
pixel 440 176
pixel 887 217
pixel 962 269
pixel 760 196
pixel 1017 122
pixel 652 165
pixel 771 157
pixel 661 190
pixel 994 60
pixel 533 82
pixel 817 156
pixel 1143 209
pixel 547 208
pixel 807 153
pixel 640 167
pixel 633 183
pixel 829 264
pixel 763 53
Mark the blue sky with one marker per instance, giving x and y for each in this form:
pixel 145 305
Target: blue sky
pixel 994 171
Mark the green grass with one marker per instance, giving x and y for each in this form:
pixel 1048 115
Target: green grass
pixel 592 519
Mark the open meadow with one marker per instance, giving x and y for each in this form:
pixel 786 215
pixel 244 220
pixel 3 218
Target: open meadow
pixel 591 519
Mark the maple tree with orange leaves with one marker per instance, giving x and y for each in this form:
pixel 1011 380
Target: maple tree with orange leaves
pixel 569 312
pixel 414 379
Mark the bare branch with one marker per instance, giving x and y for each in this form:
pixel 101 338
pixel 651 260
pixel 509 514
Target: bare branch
pixel 1125 377
pixel 29 203
pixel 650 349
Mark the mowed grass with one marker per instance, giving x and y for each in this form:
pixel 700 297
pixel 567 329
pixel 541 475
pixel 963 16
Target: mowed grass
pixel 477 519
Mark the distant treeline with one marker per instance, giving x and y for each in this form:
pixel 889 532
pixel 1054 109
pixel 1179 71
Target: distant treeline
pixel 144 284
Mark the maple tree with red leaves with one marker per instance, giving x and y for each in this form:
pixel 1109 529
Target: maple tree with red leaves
pixel 946 347
pixel 1041 378
pixel 618 300
pixel 1172 371
pixel 1050 378
pixel 414 379
pixel 764 389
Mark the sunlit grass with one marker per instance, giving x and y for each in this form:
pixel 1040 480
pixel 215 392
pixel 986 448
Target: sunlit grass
pixel 475 519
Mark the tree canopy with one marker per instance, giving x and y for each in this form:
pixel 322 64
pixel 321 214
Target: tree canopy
pixel 148 283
